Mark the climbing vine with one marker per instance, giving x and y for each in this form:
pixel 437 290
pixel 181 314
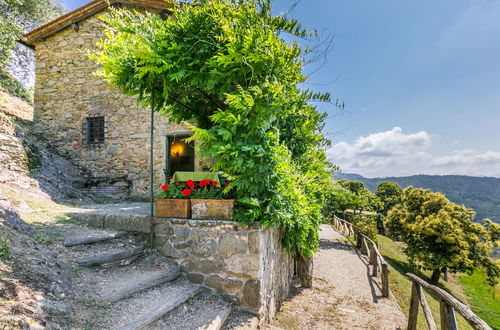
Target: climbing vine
pixel 225 66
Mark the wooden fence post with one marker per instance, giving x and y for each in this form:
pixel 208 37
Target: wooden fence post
pixel 426 309
pixel 413 312
pixel 385 281
pixel 447 315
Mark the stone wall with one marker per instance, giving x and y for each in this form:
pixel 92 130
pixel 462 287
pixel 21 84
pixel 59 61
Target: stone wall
pixel 245 264
pixel 21 65
pixel 67 91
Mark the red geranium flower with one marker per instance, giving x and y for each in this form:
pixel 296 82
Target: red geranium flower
pixel 176 181
pixel 170 177
pixel 164 187
pixel 158 265
pixel 186 192
pixel 190 184
pixel 214 183
pixel 225 185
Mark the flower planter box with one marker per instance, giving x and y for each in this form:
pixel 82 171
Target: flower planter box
pixel 173 208
pixel 212 209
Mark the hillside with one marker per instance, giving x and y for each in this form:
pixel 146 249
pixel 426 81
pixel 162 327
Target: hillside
pixel 479 193
pixel 35 284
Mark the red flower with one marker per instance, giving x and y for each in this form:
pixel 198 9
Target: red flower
pixel 176 181
pixel 170 177
pixel 158 265
pixel 225 185
pixel 186 192
pixel 164 187
pixel 190 184
pixel 214 183
pixel 201 184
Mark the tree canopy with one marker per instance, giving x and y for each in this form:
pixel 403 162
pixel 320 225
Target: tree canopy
pixel 389 194
pixel 224 65
pixel 366 199
pixel 18 16
pixel 441 235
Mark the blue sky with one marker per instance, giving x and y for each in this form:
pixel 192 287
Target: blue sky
pixel 420 81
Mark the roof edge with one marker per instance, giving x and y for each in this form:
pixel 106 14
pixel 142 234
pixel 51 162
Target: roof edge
pixel 82 13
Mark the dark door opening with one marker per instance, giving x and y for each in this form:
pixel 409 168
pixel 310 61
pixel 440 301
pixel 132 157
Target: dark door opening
pixel 180 155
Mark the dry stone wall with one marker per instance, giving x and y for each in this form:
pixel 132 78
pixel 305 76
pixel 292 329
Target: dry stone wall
pixel 245 264
pixel 67 91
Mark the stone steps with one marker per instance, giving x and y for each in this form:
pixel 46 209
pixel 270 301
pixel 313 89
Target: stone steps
pixel 92 239
pixel 106 258
pixel 146 294
pixel 205 311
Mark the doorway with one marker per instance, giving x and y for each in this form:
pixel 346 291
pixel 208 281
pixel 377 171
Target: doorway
pixel 180 155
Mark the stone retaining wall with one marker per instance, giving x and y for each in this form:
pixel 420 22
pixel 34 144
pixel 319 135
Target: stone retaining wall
pixel 245 264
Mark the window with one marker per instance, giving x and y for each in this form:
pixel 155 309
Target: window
pixel 94 132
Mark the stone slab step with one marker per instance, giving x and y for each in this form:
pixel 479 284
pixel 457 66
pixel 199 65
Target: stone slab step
pixel 206 311
pixel 92 239
pixel 147 318
pixel 133 284
pixel 218 321
pixel 104 258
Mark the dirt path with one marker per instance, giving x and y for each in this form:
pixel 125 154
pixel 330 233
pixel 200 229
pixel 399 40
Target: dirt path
pixel 344 295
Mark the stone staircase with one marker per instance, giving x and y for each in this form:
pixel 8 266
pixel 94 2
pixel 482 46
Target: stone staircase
pixel 119 284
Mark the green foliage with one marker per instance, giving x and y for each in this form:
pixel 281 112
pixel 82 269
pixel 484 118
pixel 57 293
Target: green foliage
pixel 389 194
pixel 338 199
pixel 365 224
pixel 12 86
pixel 5 249
pixel 224 66
pixel 441 235
pixel 368 200
pixel 22 15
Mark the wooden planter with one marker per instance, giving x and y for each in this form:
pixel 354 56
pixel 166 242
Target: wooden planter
pixel 173 208
pixel 212 209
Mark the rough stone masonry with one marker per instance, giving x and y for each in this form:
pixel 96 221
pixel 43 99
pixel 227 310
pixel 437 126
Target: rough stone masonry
pixel 67 91
pixel 246 264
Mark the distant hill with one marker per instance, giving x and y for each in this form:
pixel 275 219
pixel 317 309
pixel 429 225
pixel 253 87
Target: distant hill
pixel 479 193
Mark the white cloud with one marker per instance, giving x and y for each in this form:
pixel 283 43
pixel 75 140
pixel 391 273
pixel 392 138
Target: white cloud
pixel 394 153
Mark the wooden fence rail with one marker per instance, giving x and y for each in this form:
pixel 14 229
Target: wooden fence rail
pixel 447 306
pixel 367 246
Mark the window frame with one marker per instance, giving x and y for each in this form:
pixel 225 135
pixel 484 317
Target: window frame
pixel 95 130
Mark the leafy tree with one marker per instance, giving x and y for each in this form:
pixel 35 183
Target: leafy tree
pixel 389 194
pixel 338 199
pixel 441 235
pixel 224 65
pixel 370 202
pixel 19 16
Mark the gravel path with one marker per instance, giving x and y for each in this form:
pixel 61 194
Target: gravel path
pixel 344 295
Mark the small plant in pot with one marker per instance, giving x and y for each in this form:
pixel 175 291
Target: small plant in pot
pixel 174 201
pixel 209 202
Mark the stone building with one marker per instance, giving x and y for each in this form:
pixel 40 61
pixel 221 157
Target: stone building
pixel 97 127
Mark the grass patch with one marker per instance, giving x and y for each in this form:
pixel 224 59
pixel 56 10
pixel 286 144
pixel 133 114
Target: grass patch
pixel 47 234
pixel 401 285
pixel 484 299
pixel 13 87
pixel 5 249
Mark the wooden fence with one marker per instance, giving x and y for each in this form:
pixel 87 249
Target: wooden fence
pixel 447 306
pixel 368 246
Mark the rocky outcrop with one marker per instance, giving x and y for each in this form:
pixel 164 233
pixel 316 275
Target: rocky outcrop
pixel 21 65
